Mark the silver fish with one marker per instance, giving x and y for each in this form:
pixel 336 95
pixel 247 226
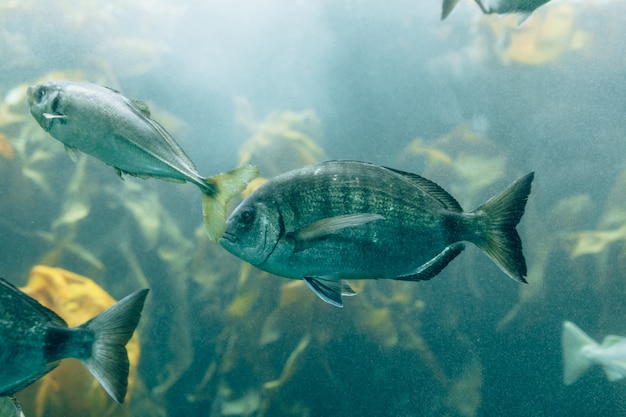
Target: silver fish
pixel 339 220
pixel 103 123
pixel 35 339
pixel 523 7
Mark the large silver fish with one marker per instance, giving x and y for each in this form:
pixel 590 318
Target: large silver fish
pixel 340 220
pixel 522 7
pixel 103 123
pixel 34 340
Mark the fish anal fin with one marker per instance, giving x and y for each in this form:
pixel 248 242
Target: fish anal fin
pixel 435 265
pixel 23 383
pixel 330 290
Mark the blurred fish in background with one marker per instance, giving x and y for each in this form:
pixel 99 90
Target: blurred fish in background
pixel 581 352
pixel 522 7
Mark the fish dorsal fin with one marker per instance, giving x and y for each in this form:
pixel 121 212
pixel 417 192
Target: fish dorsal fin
pixel 330 225
pixel 435 265
pixel 330 290
pixel 113 90
pixel 44 314
pixel 431 189
pixel 142 107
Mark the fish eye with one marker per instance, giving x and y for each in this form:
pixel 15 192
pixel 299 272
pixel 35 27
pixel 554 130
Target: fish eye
pixel 40 94
pixel 246 218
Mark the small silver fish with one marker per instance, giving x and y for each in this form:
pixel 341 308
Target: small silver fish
pixel 580 352
pixel 103 123
pixel 35 339
pixel 522 7
pixel 338 220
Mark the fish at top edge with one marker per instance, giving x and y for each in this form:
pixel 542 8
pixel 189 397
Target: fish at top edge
pixel 338 220
pixel 523 7
pixel 118 131
pixel 34 340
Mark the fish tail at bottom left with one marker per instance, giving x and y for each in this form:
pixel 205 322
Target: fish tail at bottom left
pixel 112 329
pixel 227 185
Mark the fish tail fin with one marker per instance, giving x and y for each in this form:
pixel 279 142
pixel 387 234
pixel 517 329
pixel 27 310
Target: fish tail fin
pixel 226 185
pixel 499 238
pixel 575 364
pixel 112 329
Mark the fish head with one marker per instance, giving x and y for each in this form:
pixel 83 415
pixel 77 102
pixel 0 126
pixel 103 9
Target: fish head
pixel 252 231
pixel 45 102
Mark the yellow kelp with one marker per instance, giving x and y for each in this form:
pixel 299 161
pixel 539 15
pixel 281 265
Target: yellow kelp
pixel 551 32
pixel 285 140
pixel 474 160
pixel 77 299
pixel 611 227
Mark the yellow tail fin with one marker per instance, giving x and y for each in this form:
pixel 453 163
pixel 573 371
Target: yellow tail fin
pixel 229 184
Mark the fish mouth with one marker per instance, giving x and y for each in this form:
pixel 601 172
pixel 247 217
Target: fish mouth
pixel 229 238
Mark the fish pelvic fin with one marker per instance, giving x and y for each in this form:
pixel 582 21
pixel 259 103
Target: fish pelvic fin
pixel 112 329
pixel 493 227
pixel 329 289
pixel 573 341
pixel 223 187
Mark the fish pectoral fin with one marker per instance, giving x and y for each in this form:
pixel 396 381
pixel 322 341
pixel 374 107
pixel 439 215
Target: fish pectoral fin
pixel 435 265
pixel 330 290
pixel 330 225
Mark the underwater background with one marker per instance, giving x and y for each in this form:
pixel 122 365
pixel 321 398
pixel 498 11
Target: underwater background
pixel 472 103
